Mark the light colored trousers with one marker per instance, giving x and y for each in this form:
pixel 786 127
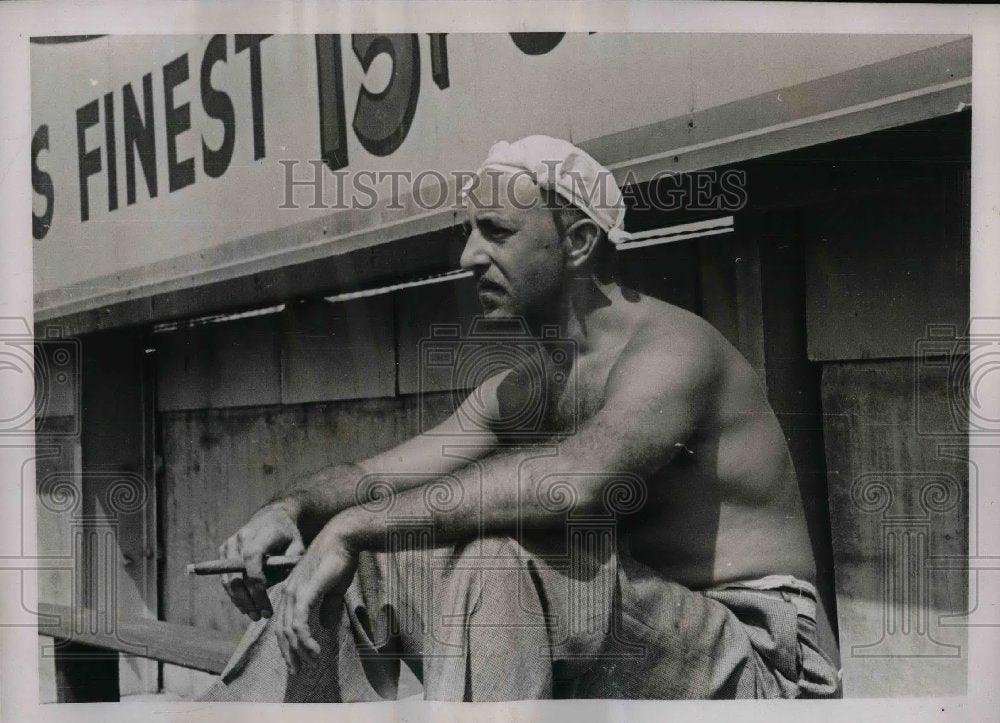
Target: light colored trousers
pixel 495 619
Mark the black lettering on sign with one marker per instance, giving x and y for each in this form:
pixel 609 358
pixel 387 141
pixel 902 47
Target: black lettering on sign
pixel 253 42
pixel 439 60
pixel 110 150
pixel 178 120
pixel 382 120
pixel 42 183
pixel 536 43
pixel 218 105
pixel 139 136
pixel 89 161
pixel 332 122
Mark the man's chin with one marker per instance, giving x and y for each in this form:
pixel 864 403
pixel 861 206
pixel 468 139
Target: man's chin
pixel 492 310
pixel 497 312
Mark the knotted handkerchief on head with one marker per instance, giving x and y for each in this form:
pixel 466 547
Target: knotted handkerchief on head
pixel 559 166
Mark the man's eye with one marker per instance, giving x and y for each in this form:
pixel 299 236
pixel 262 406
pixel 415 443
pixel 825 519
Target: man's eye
pixel 493 231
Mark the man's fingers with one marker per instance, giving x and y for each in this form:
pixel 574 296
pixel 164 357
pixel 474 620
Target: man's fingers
pixel 304 642
pixel 295 622
pixel 256 583
pixel 279 633
pixel 301 608
pixel 233 583
pixel 257 595
pixel 286 639
pixel 238 593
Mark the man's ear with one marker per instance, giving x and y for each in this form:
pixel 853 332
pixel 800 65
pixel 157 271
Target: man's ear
pixel 580 241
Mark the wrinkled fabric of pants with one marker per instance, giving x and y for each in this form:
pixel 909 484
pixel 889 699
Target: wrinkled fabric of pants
pixel 495 619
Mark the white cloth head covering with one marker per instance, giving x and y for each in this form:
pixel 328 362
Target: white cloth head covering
pixel 559 166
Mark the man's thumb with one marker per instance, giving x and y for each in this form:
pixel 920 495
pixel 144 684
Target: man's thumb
pixel 295 548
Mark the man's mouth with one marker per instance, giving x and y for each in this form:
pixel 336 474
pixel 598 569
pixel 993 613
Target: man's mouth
pixel 489 287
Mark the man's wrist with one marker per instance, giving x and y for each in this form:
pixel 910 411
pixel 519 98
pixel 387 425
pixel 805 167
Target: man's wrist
pixel 348 527
pixel 290 504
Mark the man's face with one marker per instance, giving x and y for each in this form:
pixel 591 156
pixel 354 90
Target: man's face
pixel 513 247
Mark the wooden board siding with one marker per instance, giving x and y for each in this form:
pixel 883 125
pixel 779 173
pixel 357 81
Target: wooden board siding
pixel 420 311
pixel 891 487
pixel 313 351
pixel 880 268
pixel 221 465
pixel 341 350
pixel 116 531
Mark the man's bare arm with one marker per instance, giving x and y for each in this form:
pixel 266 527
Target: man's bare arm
pixel 654 402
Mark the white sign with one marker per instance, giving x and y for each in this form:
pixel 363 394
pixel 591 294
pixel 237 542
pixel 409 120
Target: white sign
pixel 157 161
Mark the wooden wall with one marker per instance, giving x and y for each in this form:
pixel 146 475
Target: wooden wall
pixel 221 465
pixel 119 500
pixel 248 407
pixel 897 499
pixel 881 269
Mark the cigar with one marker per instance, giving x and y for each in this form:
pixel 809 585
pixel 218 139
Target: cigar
pixel 220 567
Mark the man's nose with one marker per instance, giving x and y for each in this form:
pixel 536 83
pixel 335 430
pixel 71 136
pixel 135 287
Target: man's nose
pixel 474 254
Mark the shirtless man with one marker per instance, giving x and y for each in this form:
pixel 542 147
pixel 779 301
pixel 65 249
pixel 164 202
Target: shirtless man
pixel 707 590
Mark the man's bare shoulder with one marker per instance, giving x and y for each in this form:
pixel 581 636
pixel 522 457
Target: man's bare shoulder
pixel 674 335
pixel 666 351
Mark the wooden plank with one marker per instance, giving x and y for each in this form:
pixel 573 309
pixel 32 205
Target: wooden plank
pixel 668 272
pixel 880 269
pixel 731 293
pixel 422 311
pixel 419 254
pixel 59 486
pixel 896 498
pixel 183 368
pixel 774 120
pixel 246 362
pixel 196 648
pixel 116 532
pixel 341 350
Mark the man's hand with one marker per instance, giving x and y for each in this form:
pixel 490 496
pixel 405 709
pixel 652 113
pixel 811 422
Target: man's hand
pixel 322 575
pixel 271 531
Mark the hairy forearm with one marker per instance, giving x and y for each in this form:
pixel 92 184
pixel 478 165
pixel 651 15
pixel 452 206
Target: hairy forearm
pixel 519 489
pixel 312 502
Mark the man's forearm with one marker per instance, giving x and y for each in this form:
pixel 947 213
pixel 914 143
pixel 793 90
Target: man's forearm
pixel 314 501
pixel 504 492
